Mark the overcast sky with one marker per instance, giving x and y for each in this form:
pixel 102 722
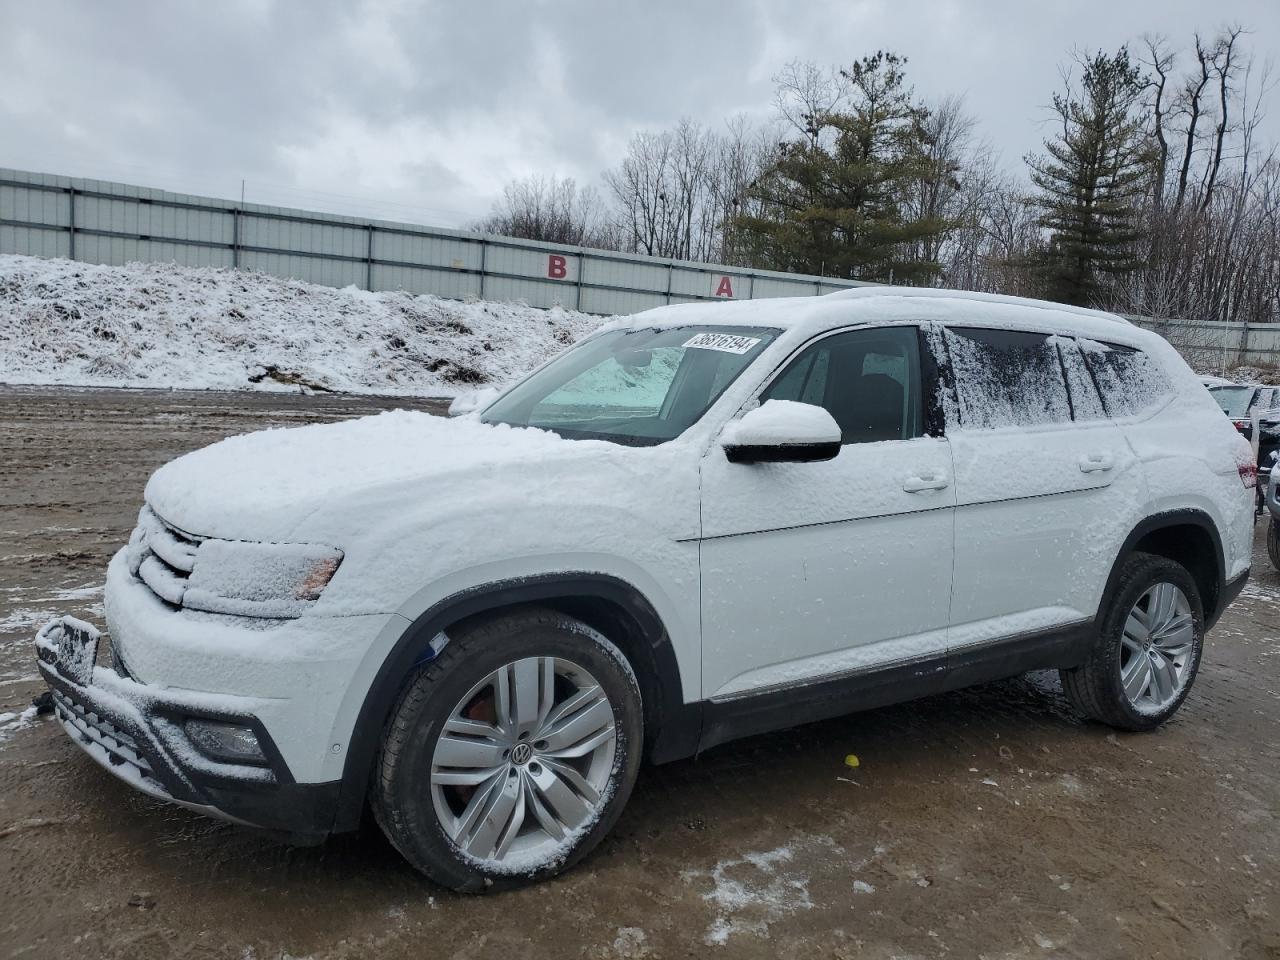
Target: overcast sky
pixel 421 111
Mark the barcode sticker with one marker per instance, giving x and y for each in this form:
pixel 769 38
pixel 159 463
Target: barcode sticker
pixel 724 342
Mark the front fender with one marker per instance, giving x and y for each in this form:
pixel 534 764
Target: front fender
pixel 408 642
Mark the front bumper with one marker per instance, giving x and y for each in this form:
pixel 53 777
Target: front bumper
pixel 135 731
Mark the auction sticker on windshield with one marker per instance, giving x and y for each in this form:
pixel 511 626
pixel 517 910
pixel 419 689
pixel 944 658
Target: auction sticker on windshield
pixel 724 342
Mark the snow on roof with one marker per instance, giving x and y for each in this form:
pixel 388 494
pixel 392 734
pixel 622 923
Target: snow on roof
pixel 885 304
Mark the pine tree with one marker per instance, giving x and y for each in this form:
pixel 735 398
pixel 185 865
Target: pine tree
pixel 1092 180
pixel 833 201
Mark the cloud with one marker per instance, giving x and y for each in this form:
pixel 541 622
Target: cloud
pixel 428 108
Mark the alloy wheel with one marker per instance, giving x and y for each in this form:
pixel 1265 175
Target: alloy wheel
pixel 1157 647
pixel 524 761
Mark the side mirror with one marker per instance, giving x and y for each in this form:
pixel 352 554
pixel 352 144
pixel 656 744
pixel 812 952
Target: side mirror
pixel 782 431
pixel 471 401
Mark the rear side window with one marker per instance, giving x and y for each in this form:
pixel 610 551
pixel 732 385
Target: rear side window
pixel 1128 379
pixel 1007 378
pixel 1085 402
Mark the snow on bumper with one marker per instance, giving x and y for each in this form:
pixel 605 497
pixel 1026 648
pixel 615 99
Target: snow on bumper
pixel 285 682
pixel 292 675
pixel 130 730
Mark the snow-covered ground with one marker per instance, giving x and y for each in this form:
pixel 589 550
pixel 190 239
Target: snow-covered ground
pixel 162 325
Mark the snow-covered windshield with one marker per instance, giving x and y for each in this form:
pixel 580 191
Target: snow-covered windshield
pixel 1234 401
pixel 638 387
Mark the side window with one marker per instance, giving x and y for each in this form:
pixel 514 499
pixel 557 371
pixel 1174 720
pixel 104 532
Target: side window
pixel 1085 402
pixel 868 380
pixel 1128 379
pixel 1007 378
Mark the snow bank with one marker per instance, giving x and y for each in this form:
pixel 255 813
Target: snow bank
pixel 162 325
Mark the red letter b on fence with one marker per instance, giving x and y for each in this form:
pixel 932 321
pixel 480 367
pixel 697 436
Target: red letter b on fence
pixel 557 267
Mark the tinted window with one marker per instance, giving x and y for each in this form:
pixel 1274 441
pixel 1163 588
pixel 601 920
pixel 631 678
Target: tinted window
pixel 1007 378
pixel 1128 379
pixel 868 380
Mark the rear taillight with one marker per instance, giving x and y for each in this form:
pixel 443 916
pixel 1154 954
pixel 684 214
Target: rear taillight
pixel 1241 425
pixel 1249 475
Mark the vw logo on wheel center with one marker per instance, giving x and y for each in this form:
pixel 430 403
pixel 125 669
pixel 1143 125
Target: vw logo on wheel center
pixel 521 753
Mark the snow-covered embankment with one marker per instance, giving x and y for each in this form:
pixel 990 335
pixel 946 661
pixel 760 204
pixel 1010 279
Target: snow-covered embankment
pixel 161 325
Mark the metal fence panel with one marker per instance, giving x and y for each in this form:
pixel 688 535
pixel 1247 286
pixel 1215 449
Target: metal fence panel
pixel 34 243
pixel 102 222
pixel 94 220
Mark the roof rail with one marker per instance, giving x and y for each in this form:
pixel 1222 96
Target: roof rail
pixel 940 293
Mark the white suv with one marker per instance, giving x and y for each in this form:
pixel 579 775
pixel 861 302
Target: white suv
pixel 700 523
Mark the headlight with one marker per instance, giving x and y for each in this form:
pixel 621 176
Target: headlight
pixel 259 579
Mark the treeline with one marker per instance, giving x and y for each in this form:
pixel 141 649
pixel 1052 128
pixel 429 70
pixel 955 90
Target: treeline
pixel 1152 194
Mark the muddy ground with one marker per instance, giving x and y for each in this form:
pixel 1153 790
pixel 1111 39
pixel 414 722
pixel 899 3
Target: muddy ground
pixel 990 822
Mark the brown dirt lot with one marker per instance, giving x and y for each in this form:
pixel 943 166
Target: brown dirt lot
pixel 990 822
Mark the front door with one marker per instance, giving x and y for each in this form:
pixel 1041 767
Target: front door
pixel 815 570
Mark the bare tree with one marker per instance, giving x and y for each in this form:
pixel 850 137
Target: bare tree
pixel 942 191
pixel 1225 63
pixel 676 190
pixel 1191 106
pixel 1160 61
pixel 548 209
pixel 1215 252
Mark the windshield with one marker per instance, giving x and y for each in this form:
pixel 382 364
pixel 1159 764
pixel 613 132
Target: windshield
pixel 637 387
pixel 1234 401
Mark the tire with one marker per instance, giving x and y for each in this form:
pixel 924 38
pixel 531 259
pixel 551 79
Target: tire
pixel 1273 542
pixel 1097 688
pixel 498 828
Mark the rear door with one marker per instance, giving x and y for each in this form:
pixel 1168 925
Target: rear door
pixel 1044 484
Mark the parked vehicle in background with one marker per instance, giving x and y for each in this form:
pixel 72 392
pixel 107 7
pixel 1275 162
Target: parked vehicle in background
pixel 700 523
pixel 1272 486
pixel 1242 401
pixel 1211 381
pixel 1247 404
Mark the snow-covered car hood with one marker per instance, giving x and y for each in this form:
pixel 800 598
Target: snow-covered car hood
pixel 263 485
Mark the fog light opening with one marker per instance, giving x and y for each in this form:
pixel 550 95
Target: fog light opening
pixel 228 742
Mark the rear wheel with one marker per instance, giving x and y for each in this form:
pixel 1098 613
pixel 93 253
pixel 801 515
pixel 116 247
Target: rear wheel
pixel 1148 650
pixel 512 753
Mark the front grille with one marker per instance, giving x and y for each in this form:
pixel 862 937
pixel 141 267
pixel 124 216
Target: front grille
pixel 162 557
pixel 120 748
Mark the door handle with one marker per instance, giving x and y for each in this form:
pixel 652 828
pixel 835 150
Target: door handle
pixel 1096 462
pixel 937 480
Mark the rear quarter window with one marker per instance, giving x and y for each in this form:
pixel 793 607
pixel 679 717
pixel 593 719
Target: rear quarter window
pixel 1129 380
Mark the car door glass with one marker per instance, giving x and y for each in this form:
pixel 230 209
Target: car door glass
pixel 1007 378
pixel 868 380
pixel 1085 402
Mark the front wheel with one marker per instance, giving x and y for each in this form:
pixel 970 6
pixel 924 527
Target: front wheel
pixel 510 756
pixel 1148 650
pixel 1273 543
